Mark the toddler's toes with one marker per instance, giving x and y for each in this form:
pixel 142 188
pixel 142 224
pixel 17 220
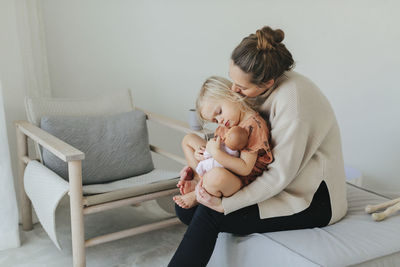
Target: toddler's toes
pixel 178 201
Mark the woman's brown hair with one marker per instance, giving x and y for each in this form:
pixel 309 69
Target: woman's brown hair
pixel 263 55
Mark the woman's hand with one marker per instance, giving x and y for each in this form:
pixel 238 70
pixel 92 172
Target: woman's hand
pixel 213 145
pixel 199 153
pixel 203 197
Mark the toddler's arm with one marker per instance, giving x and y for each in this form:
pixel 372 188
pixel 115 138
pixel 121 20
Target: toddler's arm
pixel 241 166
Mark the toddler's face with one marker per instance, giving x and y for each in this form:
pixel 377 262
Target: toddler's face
pixel 223 112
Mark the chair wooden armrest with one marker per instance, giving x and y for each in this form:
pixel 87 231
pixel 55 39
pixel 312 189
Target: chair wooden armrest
pixel 176 124
pixel 167 154
pixel 56 146
pixel 66 153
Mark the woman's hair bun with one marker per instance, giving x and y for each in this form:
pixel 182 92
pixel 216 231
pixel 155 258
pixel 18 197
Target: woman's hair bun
pixel 263 55
pixel 279 35
pixel 268 39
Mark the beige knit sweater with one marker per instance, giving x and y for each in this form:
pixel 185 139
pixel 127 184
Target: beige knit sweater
pixel 307 150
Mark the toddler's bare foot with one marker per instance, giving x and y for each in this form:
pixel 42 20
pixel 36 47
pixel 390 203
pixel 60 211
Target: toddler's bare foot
pixel 186 174
pixel 186 186
pixel 186 201
pixel 186 182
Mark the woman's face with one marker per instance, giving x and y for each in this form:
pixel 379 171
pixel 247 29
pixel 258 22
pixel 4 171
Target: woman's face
pixel 241 82
pixel 223 112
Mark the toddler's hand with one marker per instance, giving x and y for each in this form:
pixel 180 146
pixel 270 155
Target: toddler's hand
pixel 199 153
pixel 213 145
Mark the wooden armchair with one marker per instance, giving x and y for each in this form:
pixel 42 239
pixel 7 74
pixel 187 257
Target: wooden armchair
pixel 80 203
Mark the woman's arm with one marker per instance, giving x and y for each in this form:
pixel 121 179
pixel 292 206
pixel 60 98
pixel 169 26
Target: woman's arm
pixel 241 166
pixel 294 146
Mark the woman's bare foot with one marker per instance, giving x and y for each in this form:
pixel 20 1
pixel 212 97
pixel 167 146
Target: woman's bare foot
pixel 186 182
pixel 186 201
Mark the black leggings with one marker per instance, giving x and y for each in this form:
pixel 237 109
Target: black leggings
pixel 204 224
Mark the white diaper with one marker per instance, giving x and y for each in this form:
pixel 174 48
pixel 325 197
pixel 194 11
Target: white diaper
pixel 209 162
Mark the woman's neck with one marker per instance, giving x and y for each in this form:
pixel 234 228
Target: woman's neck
pixel 268 91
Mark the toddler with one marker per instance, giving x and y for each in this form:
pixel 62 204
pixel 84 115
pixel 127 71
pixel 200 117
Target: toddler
pixel 217 103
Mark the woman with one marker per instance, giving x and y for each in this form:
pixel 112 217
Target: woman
pixel 305 185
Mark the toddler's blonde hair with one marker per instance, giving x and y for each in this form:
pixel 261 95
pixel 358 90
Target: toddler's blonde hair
pixel 218 88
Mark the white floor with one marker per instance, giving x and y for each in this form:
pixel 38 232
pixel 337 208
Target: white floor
pixel 149 249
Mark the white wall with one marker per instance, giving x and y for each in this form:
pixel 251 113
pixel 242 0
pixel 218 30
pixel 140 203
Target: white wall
pixel 165 49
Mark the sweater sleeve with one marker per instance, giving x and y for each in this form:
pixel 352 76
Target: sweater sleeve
pixel 293 142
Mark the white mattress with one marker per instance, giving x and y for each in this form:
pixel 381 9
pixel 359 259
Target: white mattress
pixel 355 240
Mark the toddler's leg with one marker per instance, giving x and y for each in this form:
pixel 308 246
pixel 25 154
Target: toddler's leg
pixel 190 143
pixel 221 182
pixel 188 177
pixel 218 182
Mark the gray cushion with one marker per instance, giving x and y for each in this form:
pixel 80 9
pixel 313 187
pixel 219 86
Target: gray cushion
pixel 115 146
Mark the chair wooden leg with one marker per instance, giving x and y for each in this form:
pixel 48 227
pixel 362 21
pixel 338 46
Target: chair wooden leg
pixel 77 224
pixel 26 205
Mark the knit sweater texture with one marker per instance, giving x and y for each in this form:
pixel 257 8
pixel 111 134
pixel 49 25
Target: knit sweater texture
pixel 307 150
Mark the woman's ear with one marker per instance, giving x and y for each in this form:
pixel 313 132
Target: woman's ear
pixel 269 84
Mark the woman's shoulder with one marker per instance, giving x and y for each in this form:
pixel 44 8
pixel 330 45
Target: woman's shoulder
pixel 294 82
pixel 296 96
pixel 295 88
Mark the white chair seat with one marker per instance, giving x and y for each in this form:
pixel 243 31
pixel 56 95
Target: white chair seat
pixel 156 180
